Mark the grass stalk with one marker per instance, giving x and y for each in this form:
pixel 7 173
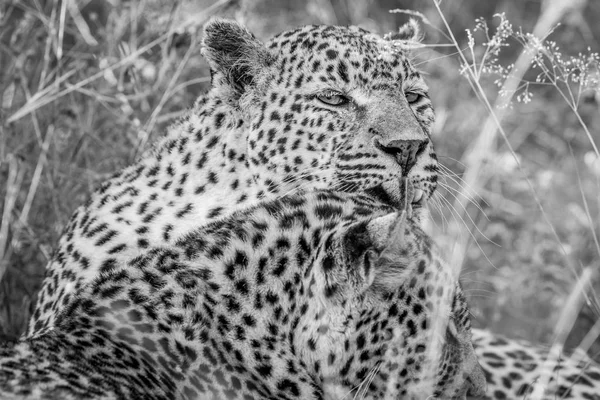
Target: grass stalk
pixel 563 327
pixel 13 185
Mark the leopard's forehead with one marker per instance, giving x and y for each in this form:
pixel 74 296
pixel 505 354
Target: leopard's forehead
pixel 349 43
pixel 349 35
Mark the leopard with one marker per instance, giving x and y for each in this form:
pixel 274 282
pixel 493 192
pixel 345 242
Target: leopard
pixel 317 107
pixel 313 295
pixel 519 369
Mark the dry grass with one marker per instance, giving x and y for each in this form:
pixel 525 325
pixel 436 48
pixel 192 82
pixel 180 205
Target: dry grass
pixel 84 89
pixel 74 110
pixel 565 277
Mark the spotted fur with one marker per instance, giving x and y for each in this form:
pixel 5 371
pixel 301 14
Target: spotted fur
pixel 514 370
pixel 312 296
pixel 262 131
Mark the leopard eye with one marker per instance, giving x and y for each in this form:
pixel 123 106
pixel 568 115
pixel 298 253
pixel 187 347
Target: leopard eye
pixel 412 97
pixel 333 98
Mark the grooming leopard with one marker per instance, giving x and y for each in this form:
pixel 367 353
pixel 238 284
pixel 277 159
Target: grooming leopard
pixel 320 107
pixel 316 295
pixel 519 370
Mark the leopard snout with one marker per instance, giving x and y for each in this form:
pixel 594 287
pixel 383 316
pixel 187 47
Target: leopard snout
pixel 405 152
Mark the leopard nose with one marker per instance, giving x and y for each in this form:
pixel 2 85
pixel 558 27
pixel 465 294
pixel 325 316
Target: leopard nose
pixel 405 152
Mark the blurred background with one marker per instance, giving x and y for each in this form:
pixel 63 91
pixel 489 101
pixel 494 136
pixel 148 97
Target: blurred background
pixel 87 85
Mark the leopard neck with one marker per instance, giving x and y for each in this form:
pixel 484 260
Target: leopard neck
pixel 208 147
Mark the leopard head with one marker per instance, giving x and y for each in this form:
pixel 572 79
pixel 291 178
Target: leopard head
pixel 327 107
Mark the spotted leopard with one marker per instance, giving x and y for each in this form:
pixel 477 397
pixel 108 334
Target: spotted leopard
pixel 321 295
pixel 517 369
pixel 314 108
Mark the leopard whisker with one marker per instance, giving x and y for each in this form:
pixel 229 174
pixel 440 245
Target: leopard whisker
pixel 447 173
pixel 458 217
pixel 434 203
pixel 470 219
pixel 369 379
pixel 373 370
pixel 292 179
pixel 455 192
pixel 437 202
pixel 302 174
pixel 457 178
pixel 345 186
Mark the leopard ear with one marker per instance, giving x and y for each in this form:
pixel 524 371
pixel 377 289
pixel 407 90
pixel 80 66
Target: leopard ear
pixel 235 56
pixel 410 32
pixel 379 248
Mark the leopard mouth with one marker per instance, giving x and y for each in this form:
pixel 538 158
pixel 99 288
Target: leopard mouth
pixel 418 200
pixel 412 198
pixel 402 195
